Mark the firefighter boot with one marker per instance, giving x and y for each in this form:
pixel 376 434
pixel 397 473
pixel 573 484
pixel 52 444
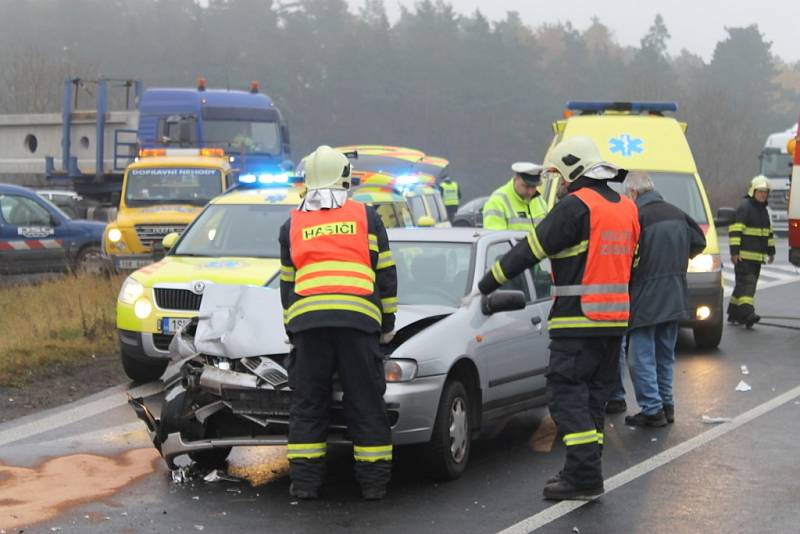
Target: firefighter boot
pixel 307 475
pixel 565 491
pixel 373 477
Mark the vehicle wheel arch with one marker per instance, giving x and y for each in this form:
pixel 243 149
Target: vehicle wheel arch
pixel 466 371
pixel 82 249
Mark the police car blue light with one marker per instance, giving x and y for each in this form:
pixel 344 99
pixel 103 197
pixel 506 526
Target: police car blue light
pixel 407 179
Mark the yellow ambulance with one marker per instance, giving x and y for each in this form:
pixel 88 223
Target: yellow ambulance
pixel 642 136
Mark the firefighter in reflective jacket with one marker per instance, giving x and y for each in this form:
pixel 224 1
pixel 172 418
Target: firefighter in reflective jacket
pixel 339 294
pixel 752 244
pixel 451 196
pixel 590 237
pixel 517 205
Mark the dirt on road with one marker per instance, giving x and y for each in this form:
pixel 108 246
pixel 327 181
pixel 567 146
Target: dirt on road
pixel 59 384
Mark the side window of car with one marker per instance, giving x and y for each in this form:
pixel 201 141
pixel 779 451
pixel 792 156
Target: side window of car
pixel 542 279
pixel 22 211
pixel 494 252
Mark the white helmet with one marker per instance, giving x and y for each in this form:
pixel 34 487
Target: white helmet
pixel 759 182
pixel 326 168
pixel 578 156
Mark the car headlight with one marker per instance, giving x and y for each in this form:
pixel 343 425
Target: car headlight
pixel 399 370
pixel 131 290
pixel 114 235
pixel 142 308
pixel 704 263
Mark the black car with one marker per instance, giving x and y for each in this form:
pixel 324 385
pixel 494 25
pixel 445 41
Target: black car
pixel 471 213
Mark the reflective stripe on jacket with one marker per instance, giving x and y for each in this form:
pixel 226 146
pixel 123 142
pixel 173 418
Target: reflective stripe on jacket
pixel 506 210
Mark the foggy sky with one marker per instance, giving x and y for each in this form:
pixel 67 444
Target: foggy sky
pixel 696 25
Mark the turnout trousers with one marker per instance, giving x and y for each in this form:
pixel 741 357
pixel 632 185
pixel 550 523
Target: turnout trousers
pixel 355 356
pixel 742 303
pixel 582 374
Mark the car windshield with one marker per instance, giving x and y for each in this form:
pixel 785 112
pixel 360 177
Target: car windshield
pixel 234 230
pixel 776 164
pixel 476 204
pixel 679 189
pixel 249 137
pixel 172 185
pixel 417 206
pixel 432 272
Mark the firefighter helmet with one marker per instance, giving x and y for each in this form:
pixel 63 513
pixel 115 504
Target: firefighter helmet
pixel 578 156
pixel 759 182
pixel 326 168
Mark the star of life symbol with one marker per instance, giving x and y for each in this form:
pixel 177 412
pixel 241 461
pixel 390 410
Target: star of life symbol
pixel 625 145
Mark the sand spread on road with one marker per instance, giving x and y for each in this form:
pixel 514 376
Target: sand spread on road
pixel 31 495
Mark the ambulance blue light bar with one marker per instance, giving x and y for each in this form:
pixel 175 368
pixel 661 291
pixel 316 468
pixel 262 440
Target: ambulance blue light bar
pixel 281 179
pixel 589 107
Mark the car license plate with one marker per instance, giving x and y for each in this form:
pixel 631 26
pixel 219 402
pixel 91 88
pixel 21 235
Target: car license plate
pixel 132 263
pixel 170 325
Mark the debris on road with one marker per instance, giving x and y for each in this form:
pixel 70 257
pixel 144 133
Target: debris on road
pixel 745 370
pixel 743 386
pixel 716 420
pixel 218 475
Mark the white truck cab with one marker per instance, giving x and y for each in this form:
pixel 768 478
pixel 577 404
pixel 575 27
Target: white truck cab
pixel 776 164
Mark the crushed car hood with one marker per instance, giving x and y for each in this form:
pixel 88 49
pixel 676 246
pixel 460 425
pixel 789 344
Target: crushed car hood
pixel 245 321
pixel 408 314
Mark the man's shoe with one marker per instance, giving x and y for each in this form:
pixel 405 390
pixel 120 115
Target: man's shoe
pixel 616 406
pixel 669 413
pixel 373 494
pixel 732 320
pixel 304 493
pixel 564 491
pixel 753 319
pixel 553 479
pixel 640 419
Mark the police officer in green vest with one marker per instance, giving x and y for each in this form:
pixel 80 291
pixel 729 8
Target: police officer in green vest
pixel 517 205
pixel 451 196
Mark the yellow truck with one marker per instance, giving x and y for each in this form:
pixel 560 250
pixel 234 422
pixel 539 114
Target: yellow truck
pixel 162 192
pixel 641 136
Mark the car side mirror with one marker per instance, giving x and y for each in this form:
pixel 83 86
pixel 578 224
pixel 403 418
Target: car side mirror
pixel 502 300
pixel 725 216
pixel 426 221
pixel 169 240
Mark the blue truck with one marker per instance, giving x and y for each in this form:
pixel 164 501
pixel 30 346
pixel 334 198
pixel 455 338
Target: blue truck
pixel 37 237
pixel 89 149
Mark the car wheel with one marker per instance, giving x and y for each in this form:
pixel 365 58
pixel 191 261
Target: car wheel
pixel 89 260
pixel 451 440
pixel 140 371
pixel 708 337
pixel 173 420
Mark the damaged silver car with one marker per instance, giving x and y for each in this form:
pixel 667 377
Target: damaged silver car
pixel 453 371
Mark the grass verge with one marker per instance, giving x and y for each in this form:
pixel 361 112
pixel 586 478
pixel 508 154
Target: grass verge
pixel 58 321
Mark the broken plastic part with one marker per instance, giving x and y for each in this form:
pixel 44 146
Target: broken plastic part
pixel 716 420
pixel 745 370
pixel 218 475
pixel 743 386
pixel 268 370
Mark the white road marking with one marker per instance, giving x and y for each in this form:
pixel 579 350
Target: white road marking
pixel 548 515
pixel 73 415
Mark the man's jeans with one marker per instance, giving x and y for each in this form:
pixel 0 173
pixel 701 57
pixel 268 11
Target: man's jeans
pixel 652 356
pixel 618 393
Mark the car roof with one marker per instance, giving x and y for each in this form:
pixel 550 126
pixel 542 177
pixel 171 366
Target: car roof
pixel 448 235
pixel 57 192
pixel 264 195
pixel 13 188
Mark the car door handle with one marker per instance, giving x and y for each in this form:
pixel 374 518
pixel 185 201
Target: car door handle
pixel 535 321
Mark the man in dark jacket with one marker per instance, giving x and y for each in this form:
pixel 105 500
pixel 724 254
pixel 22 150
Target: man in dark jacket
pixel 752 244
pixel 659 298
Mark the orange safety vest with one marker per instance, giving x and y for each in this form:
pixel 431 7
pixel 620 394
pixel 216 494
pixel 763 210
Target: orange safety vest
pixel 330 250
pixel 613 235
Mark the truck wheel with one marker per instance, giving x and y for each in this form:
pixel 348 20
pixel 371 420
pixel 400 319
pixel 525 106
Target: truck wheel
pixel 709 336
pixel 89 260
pixel 140 371
pixel 452 435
